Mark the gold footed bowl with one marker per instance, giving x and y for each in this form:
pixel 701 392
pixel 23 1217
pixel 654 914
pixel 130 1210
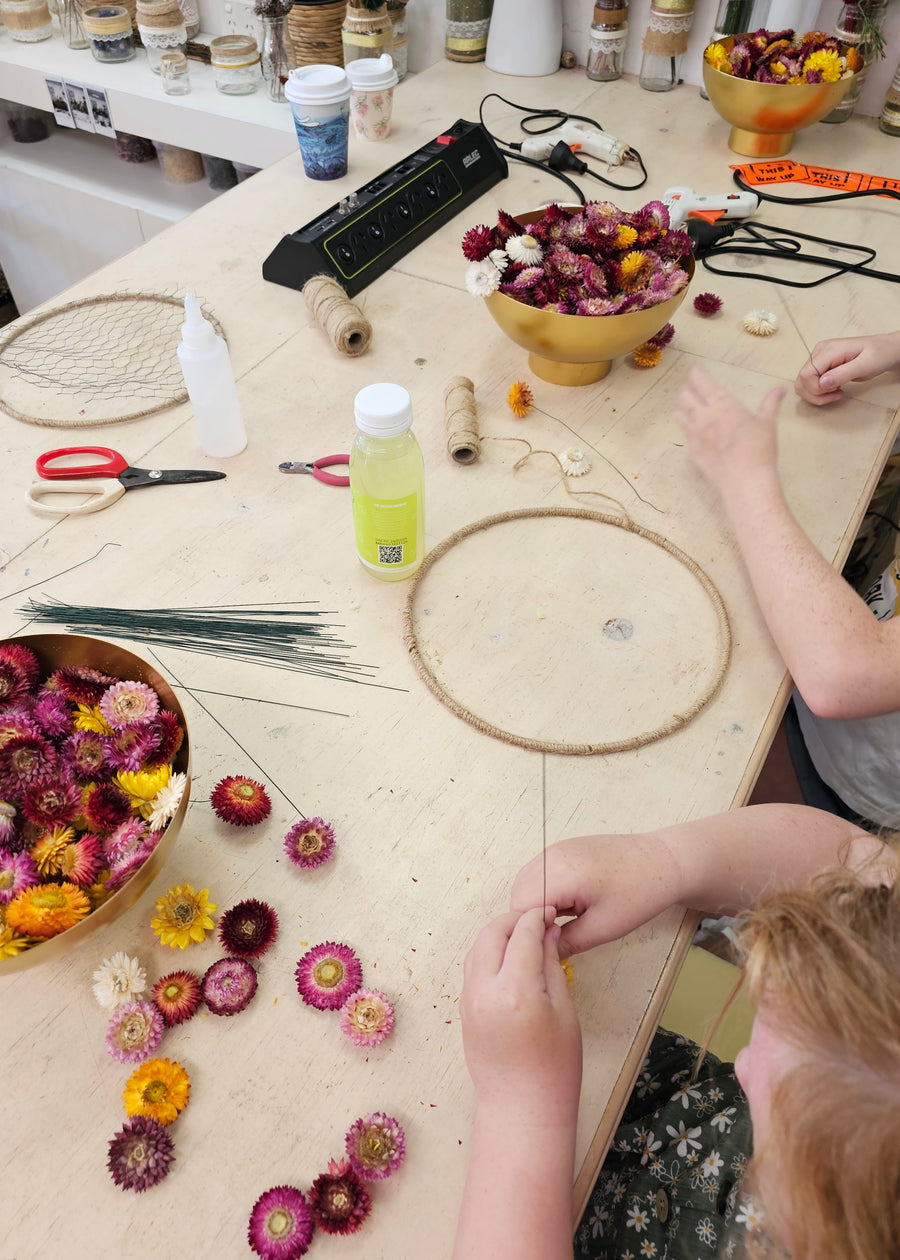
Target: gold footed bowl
pixel 577 349
pixel 53 651
pixel 765 116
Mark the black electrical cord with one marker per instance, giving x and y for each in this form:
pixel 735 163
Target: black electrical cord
pixel 556 117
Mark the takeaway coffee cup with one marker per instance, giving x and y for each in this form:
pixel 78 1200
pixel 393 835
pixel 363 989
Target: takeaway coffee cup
pixel 320 104
pixel 372 81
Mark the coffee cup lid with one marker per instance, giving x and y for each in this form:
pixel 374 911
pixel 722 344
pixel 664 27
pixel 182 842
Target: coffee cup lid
pixel 368 73
pixel 317 85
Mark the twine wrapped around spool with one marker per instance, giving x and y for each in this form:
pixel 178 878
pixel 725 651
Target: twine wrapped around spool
pixel 668 28
pixel 342 320
pixel 461 421
pixel 315 31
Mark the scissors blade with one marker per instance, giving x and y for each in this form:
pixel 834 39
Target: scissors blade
pixel 134 478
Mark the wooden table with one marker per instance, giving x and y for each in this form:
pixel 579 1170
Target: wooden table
pixel 433 819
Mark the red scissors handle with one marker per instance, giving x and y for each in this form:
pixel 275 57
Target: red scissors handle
pixel 112 464
pixel 319 466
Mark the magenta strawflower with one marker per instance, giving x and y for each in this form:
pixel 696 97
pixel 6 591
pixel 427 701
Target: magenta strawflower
pixel 82 860
pixel 327 974
pixel 127 838
pixel 134 1031
pixel 376 1146
pixel 281 1224
pixel 366 1017
pixel 15 722
pixel 13 685
pixel 126 866
pixel 17 871
pixel 248 929
pixel 338 1199
pixel 24 760
pixel 130 746
pixel 52 713
pixel 309 842
pixel 477 243
pixel 79 683
pixel 50 803
pixel 171 737
pixel 140 1154
pixel 228 986
pixel 84 752
pixel 127 702
pixel 23 659
pixel 663 337
pixel 707 304
pixel 177 996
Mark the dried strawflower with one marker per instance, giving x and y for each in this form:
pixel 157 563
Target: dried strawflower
pixel 165 804
pixel 646 355
pixel 17 872
pixel 47 909
pixel 51 712
pixel 228 986
pixel 520 399
pixel 524 249
pixel 12 943
pixel 143 786
pixel 105 807
pixel 13 685
pixel 81 860
pixel 482 278
pixel 22 659
pixel 183 916
pixel 130 746
pixel 309 842
pixel 574 462
pixel 122 871
pixel 158 1088
pixel 171 737
pixel 327 974
pixel 134 1032
pixel 663 337
pixel 478 243
pixel 376 1146
pixel 127 702
pixel 117 980
pixel 281 1224
pixel 47 851
pixel 366 1017
pixel 127 839
pixel 81 684
pixel 338 1199
pixel 7 823
pixel 240 801
pixel 707 304
pixel 25 759
pixel 760 323
pixel 140 1154
pixel 89 718
pixel 84 752
pixel 248 929
pixel 177 996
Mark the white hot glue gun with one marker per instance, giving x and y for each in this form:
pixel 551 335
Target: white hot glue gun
pixel 579 136
pixel 684 203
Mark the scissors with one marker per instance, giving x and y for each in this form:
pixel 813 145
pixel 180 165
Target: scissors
pixel 112 465
pixel 315 468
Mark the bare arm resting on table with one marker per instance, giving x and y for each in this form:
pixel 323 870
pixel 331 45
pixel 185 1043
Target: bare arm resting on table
pixel 844 662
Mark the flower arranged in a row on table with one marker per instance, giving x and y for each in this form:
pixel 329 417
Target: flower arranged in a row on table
pixel 87 789
pixel 784 57
pixel 590 260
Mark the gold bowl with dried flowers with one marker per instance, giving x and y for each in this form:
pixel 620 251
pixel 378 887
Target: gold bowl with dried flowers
pixel 94 787
pixel 577 286
pixel 771 84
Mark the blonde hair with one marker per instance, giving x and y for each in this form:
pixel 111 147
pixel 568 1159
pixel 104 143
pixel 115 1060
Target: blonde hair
pixel 826 961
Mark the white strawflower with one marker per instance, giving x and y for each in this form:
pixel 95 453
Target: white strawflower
pixel 117 980
pixel 499 258
pixel 574 463
pixel 524 249
pixel 760 323
pixel 166 802
pixel 482 278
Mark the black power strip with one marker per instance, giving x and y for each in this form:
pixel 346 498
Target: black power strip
pixel 361 237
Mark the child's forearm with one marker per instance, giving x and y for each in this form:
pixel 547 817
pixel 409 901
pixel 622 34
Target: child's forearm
pixel 517 1201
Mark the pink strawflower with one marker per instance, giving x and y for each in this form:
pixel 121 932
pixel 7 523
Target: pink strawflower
pixel 84 753
pixel 327 974
pixel 8 826
pixel 127 839
pixel 17 871
pixel 129 747
pixel 310 842
pixel 707 304
pixel 376 1146
pixel 123 870
pixel 52 713
pixel 127 702
pixel 281 1224
pixel 140 1154
pixel 82 861
pixel 24 760
pixel 366 1017
pixel 134 1032
pixel 228 986
pixel 15 722
pixel 338 1199
pixel 177 996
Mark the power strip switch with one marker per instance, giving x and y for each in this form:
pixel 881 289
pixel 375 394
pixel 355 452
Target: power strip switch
pixel 362 236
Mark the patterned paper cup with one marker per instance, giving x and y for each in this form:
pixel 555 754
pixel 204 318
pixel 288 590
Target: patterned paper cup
pixel 372 81
pixel 319 97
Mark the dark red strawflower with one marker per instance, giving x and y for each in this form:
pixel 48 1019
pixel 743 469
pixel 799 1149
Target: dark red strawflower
pixel 663 337
pixel 338 1199
pixel 13 685
pixel 84 752
pixel 707 304
pixel 23 659
pixel 171 737
pixel 477 243
pixel 248 929
pixel 177 996
pixel 51 803
pixel 140 1154
pixel 105 808
pixel 240 801
pixel 80 684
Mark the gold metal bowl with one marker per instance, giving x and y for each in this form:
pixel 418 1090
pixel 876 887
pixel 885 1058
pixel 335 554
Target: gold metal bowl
pixel 53 651
pixel 577 349
pixel 764 116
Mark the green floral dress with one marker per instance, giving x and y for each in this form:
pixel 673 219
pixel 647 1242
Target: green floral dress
pixel 669 1189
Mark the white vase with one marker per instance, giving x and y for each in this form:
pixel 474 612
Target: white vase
pixel 525 37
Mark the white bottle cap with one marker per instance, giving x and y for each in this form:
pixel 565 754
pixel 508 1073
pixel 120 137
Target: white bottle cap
pixel 368 74
pixel 383 410
pixel 197 333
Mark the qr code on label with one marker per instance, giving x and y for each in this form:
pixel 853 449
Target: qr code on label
pixel 390 555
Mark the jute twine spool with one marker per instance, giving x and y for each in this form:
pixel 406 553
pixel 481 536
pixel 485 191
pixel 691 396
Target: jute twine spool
pixel 675 722
pixel 342 321
pixel 461 420
pixel 315 32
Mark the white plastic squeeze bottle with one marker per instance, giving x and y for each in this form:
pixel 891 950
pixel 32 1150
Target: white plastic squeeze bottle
pixel 387 482
pixel 206 365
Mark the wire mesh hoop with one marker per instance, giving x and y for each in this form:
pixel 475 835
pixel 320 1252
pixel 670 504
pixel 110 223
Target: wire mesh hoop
pixel 515 622
pixel 92 356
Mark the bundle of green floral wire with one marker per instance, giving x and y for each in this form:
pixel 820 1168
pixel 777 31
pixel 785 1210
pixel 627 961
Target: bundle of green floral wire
pixel 295 639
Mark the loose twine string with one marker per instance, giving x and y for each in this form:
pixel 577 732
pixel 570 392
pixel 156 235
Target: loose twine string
pixel 672 724
pixel 342 320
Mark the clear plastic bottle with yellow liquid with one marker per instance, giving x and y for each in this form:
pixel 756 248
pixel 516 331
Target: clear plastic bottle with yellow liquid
pixel 387 483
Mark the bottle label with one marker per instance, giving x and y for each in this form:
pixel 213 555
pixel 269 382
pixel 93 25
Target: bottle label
pixel 386 530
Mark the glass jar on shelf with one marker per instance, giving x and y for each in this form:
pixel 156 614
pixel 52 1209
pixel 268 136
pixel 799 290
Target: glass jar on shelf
pixel 71 25
pixel 609 34
pixel 235 63
pixel 366 32
pixel 889 120
pixel 108 27
pixel 858 24
pixel 161 27
pixel 27 21
pixel 175 73
pixel 277 57
pixel 400 49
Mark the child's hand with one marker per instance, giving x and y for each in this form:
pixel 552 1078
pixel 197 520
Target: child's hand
pixel 837 362
pixel 612 884
pixel 726 440
pixel 520 1031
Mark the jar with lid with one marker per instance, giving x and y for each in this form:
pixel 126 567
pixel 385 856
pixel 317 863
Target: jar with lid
pixel 609 34
pixel 235 63
pixel 27 21
pixel 665 43
pixel 175 74
pixel 108 27
pixel 162 29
